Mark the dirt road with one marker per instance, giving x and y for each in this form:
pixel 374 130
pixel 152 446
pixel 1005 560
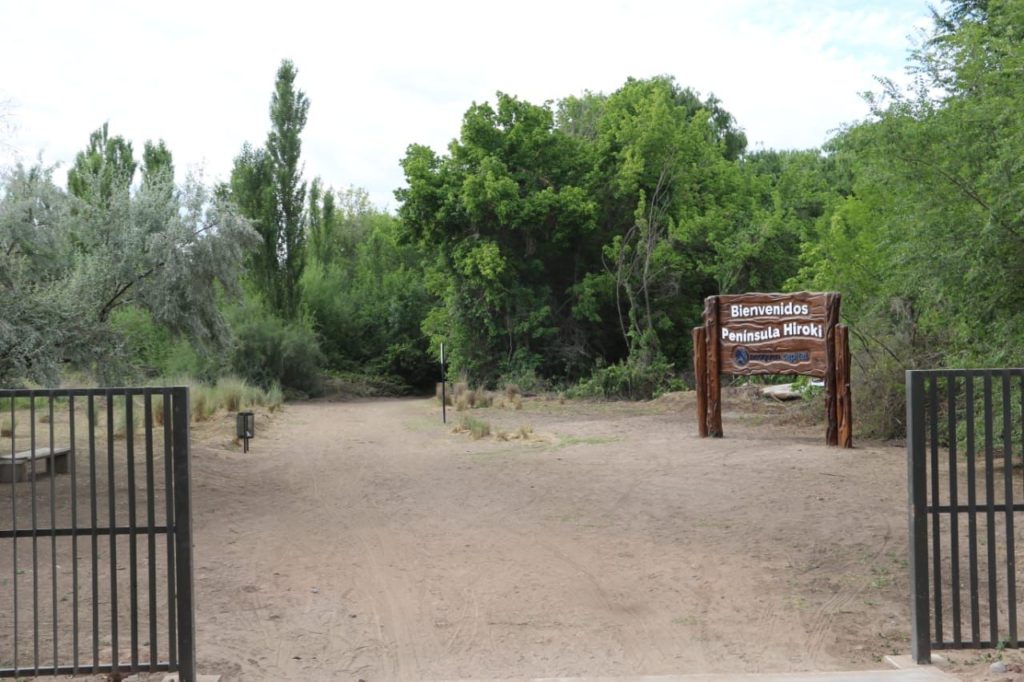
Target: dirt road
pixel 363 540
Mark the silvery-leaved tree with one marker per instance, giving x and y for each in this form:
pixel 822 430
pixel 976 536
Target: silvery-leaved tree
pixel 69 260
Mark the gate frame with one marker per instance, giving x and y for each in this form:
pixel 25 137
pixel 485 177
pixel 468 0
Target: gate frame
pixel 177 448
pixel 921 507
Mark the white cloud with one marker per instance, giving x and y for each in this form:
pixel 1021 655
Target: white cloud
pixel 386 74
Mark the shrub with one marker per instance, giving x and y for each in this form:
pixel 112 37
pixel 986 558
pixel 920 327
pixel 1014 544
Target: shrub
pixel 629 380
pixel 269 351
pixel 151 350
pixel 523 381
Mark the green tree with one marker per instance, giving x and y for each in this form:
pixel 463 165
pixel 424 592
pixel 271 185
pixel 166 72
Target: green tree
pixel 562 239
pixel 368 300
pixel 267 186
pixel 927 235
pixel 157 163
pixel 323 223
pixel 502 218
pixel 104 169
pixel 669 189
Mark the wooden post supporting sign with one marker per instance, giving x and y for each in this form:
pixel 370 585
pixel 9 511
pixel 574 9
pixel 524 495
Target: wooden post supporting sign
pixel 796 334
pixel 713 416
pixel 700 372
pixel 831 417
pixel 844 397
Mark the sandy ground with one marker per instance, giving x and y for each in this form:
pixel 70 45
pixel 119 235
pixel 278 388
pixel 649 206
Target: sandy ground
pixel 365 541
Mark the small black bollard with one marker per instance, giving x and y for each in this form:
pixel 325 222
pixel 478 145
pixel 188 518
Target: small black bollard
pixel 245 428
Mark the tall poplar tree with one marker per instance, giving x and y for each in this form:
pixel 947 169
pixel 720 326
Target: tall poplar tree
pixel 104 169
pixel 267 186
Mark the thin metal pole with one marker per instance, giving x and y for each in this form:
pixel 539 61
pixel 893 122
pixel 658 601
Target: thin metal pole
pixel 53 530
pixel 74 533
pixel 35 531
pixel 94 537
pixel 133 554
pixel 444 382
pixel 933 429
pixel 150 525
pixel 990 514
pixel 183 538
pixel 972 513
pixel 112 523
pixel 918 493
pixel 954 516
pixel 1011 563
pixel 172 616
pixel 14 525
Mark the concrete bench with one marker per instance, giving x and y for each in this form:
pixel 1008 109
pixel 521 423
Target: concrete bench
pixel 18 467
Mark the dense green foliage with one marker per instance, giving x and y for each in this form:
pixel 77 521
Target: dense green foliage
pixel 926 232
pixel 561 241
pixel 568 243
pixel 365 294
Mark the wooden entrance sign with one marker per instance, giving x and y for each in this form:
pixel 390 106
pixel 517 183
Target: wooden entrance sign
pixel 798 334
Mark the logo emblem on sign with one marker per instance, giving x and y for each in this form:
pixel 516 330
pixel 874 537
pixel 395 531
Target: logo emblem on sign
pixel 741 356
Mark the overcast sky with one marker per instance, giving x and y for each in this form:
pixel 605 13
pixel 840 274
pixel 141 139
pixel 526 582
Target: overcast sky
pixel 382 74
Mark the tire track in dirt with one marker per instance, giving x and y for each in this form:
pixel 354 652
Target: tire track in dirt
pixel 632 644
pixel 819 627
pixel 398 646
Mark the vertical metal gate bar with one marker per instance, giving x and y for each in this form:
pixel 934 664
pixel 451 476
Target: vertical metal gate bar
pixel 972 513
pixel 147 406
pixel 74 533
pixel 52 467
pixel 918 493
pixel 990 514
pixel 112 521
pixel 172 617
pixel 14 526
pixel 1011 563
pixel 954 516
pixel 35 533
pixel 129 437
pixel 183 537
pixel 933 443
pixel 94 536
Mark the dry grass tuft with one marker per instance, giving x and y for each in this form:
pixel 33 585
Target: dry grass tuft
pixel 229 393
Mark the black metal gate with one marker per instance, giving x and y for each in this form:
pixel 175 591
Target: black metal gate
pixel 95 532
pixel 964 441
